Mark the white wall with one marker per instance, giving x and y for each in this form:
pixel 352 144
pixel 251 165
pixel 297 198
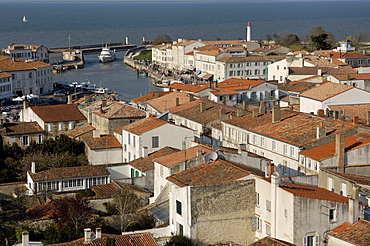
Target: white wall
pixel 182 195
pixel 105 156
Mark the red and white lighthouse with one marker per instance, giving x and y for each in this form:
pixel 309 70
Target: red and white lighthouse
pixel 249 31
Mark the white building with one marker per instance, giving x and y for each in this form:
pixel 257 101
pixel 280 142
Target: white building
pixel 66 179
pixel 329 93
pixel 6 90
pixel 150 134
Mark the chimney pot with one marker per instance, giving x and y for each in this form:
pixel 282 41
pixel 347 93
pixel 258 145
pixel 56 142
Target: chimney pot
pixel 98 232
pixel 69 99
pixel 25 238
pixel 104 103
pixel 276 114
pixel 177 101
pixel 96 134
pixel 145 152
pixel 339 148
pixel 202 107
pixel 87 233
pixel 355 120
pixel 320 131
pixel 33 167
pixel 255 113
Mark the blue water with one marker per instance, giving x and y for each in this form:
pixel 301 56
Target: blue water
pixel 95 23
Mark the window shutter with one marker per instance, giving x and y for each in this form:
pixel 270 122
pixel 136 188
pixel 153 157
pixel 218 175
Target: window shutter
pixel 305 241
pixel 254 223
pixel 317 242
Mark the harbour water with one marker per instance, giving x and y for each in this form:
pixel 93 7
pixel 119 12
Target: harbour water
pixel 51 24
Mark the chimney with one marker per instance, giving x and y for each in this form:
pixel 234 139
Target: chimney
pixel 87 235
pixel 101 109
pixel 320 131
pixel 223 113
pixel 156 94
pixel 239 112
pixel 245 105
pixel 320 112
pixel 25 238
pixel 319 72
pixel 104 102
pixel 355 120
pixel 98 232
pixel 262 108
pixel 177 101
pixel 339 149
pixel 255 113
pixel 301 60
pixel 275 179
pixel 199 152
pixel 216 84
pixel 145 152
pixel 276 114
pixel 202 107
pixel 191 97
pixel 353 210
pixel 96 134
pixel 25 104
pixel 33 167
pixel 86 98
pixel 241 147
pixel 271 169
pixel 69 101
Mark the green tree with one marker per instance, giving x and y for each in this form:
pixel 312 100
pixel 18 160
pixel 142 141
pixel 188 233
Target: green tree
pixel 318 38
pixel 179 240
pixel 320 41
pixel 162 38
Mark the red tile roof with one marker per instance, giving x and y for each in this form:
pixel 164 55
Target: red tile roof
pixel 151 95
pixel 252 58
pixel 346 55
pixel 328 150
pixel 137 239
pixel 146 164
pixel 313 192
pixel 115 188
pixel 143 125
pixel 324 70
pixel 58 113
pixel 269 241
pixel 4 75
pixel 69 172
pixel 103 142
pixel 188 87
pixel 357 76
pixel 326 90
pixel 213 172
pixel 114 110
pixel 353 110
pixel 354 178
pixel 21 128
pixel 80 131
pixel 181 156
pixel 168 101
pixel 294 127
pixel 297 87
pixel 357 233
pixel 42 211
pixel 8 65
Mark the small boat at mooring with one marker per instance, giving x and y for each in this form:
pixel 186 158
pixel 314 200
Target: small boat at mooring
pixel 24 19
pixel 107 55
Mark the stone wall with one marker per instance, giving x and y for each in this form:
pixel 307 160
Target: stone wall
pixel 223 212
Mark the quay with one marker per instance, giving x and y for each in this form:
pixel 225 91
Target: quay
pixel 96 48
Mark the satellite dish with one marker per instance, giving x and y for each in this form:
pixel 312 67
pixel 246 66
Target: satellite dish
pixel 213 156
pixel 214 147
pixel 92 236
pixel 206 158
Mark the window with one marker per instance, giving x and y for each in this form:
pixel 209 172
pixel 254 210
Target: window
pixel 181 230
pixel 332 217
pixel 262 142
pixel 25 140
pixel 291 151
pixel 133 141
pixel 311 240
pixel 257 72
pixel 274 145
pixel 258 199
pixel 330 184
pixel 285 213
pixel 256 223
pixel 361 62
pixel 255 139
pixel 268 205
pixel 285 149
pixel 268 229
pixel 155 141
pixel 178 207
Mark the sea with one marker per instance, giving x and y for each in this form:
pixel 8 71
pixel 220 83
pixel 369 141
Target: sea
pixel 69 24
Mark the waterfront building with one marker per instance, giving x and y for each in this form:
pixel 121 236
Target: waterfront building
pixel 28 52
pixel 34 77
pixel 6 90
pixel 21 133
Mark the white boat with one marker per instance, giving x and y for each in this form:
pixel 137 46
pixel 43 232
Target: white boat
pixel 107 55
pixel 24 19
pixel 101 90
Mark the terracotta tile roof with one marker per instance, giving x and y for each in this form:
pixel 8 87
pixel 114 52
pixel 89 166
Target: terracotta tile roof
pixel 326 90
pixel 324 70
pixel 181 156
pixel 346 55
pixel 297 87
pixel 318 62
pixel 167 101
pixel 294 127
pixel 42 211
pixel 4 75
pixel 146 164
pixel 313 192
pixel 357 233
pixel 80 131
pixel 21 128
pixel 137 239
pixel 58 113
pixel 8 65
pixel 114 110
pixel 103 142
pixel 207 47
pixel 358 76
pixel 143 125
pixel 69 172
pixel 211 52
pixel 188 87
pixel 185 43
pixel 252 58
pixel 226 42
pixel 149 96
pixel 211 112
pixel 326 151
pixel 231 86
pixel 359 110
pixel 269 241
pixel 213 172
pixel 358 179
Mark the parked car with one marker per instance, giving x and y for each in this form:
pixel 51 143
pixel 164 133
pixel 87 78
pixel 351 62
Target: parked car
pixel 60 93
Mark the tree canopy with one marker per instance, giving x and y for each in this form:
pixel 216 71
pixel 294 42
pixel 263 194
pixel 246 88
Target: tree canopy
pixel 162 38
